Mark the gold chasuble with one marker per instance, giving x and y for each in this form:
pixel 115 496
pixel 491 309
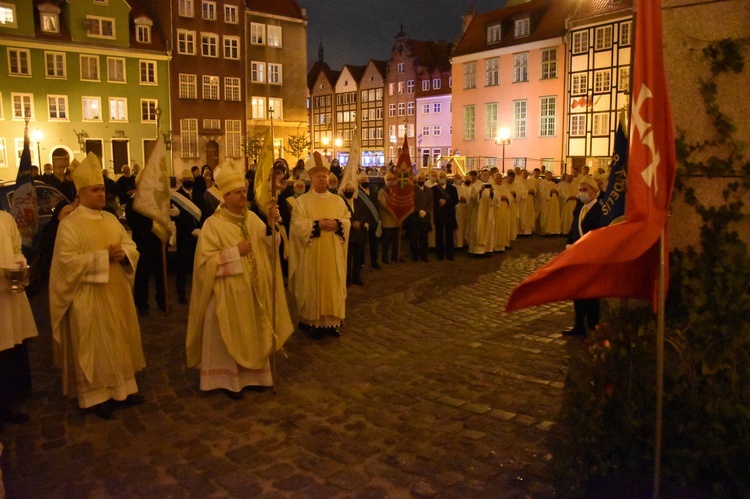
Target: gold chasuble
pixel 237 291
pixel 317 259
pixel 97 339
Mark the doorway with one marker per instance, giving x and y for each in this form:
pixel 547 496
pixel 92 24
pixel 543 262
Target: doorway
pixel 212 154
pixel 120 156
pixel 95 146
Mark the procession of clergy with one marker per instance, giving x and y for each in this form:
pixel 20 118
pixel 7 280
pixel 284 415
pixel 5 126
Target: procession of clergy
pixel 238 305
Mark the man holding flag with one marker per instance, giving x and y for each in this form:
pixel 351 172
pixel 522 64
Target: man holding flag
pixel 23 205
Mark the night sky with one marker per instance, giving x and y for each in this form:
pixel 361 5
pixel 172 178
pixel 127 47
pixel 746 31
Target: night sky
pixel 355 31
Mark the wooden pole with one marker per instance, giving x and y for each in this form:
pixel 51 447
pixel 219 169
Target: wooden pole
pixel 164 274
pixel 274 256
pixel 659 365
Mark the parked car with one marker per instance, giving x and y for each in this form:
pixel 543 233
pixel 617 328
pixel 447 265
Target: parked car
pixel 47 198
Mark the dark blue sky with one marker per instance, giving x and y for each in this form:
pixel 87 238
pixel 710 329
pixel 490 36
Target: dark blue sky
pixel 355 31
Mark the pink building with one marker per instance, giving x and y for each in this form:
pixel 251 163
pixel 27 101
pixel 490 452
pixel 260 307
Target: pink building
pixel 509 80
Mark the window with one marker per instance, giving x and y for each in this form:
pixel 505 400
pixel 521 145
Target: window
pixel 274 74
pixel 189 137
pixel 436 83
pixel 519 119
pixel 187 8
pixel 209 10
pixel 257 34
pixel 3 157
pixel 521 67
pixel 232 89
pixel 58 107
pixel 425 109
pixel 234 138
pixel 425 131
pixel 401 87
pixel 8 16
pixel 490 121
pixel 625 33
pixel 231 47
pixel 210 87
pixel 116 69
pixel 410 108
pixel 436 107
pixel 400 68
pixel 547 116
pixel 49 21
pixel 185 42
pixel 425 85
pixel 623 79
pixel 601 124
pixel 142 33
pixel 401 108
pixel 259 108
pixel 92 108
pixel 602 81
pixel 410 87
pixel 577 125
pixel 188 86
pixel 23 104
pixel 470 75
pixel 100 27
pixel 390 89
pixel 148 110
pixel 230 14
pixel 492 75
pixel 258 72
pixel 118 109
pixel 274 36
pixel 90 67
pixel 18 62
pixel 209 44
pixel 450 82
pixel 469 124
pixel 54 63
pixel 493 33
pixel 148 72
pixel 523 27
pixel 211 124
pixel 436 130
pixel 580 42
pixel 549 64
pixel 391 110
pixel 410 132
pixel 579 84
pixel 603 38
pixel 277 105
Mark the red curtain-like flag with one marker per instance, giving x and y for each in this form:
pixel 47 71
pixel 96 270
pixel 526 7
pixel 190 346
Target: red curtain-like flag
pixel 623 260
pixel 401 200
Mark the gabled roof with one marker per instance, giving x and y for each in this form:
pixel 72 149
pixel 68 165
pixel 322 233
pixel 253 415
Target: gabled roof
pixel 64 32
pixel 547 20
pixel 356 71
pixel 284 8
pixel 432 55
pixel 142 8
pixel 321 67
pixel 595 8
pixel 380 66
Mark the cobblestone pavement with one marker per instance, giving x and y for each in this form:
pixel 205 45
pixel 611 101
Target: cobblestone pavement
pixel 433 391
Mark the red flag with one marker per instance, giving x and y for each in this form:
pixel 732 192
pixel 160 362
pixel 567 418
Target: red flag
pixel 401 200
pixel 623 260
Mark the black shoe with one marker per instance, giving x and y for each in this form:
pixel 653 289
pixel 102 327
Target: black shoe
pixel 572 331
pixel 317 333
pixel 131 400
pixel 334 331
pixel 424 259
pixel 375 266
pixel 234 395
pixel 104 410
pixel 450 258
pixel 163 307
pixel 302 326
pixel 358 282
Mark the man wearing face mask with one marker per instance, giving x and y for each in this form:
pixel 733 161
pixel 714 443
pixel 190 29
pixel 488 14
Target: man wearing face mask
pixel 372 217
pixel 445 199
pixel 333 183
pixel 188 223
pixel 586 217
pixel 355 258
pixel 418 223
pixel 463 190
pixel 388 222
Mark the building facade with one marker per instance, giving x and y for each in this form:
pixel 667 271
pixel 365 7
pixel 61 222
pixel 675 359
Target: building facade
pixel 509 83
pixel 321 86
pixel 434 105
pixel 601 39
pixel 372 114
pixel 346 109
pixel 91 76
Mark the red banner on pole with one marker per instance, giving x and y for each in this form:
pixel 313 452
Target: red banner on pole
pixel 401 200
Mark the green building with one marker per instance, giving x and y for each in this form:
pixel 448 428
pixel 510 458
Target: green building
pixel 93 75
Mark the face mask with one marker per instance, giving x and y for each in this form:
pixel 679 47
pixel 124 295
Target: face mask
pixel 442 181
pixel 298 193
pixel 389 184
pixel 187 184
pixel 334 187
pixel 348 194
pixel 467 182
pixel 365 185
pixel 584 197
pixel 420 183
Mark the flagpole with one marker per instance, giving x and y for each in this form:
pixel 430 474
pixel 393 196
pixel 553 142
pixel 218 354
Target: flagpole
pixel 274 256
pixel 164 243
pixel 659 364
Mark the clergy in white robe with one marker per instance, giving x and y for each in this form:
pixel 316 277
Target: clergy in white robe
pixel 231 329
pixel 319 238
pixel 549 218
pixel 463 187
pixel 516 194
pixel 527 213
pixel 482 221
pixel 501 204
pixel 94 322
pixel 16 325
pixel 568 192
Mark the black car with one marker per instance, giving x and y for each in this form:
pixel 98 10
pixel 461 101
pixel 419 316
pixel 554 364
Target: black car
pixel 47 198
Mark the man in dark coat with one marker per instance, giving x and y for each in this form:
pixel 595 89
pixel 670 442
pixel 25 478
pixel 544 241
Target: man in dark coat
pixel 125 185
pixel 586 217
pixel 150 262
pixel 187 223
pixel 370 200
pixel 418 223
pixel 445 198
pixel 357 235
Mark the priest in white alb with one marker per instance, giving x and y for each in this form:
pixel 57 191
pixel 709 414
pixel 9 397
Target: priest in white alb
pixel 94 322
pixel 231 329
pixel 319 237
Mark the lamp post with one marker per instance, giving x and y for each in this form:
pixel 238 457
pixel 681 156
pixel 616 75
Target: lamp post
pixel 336 143
pixel 503 139
pixel 37 136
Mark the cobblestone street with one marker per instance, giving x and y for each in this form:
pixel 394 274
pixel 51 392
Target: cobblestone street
pixel 433 391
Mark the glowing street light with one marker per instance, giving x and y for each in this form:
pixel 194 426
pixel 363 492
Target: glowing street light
pixel 503 139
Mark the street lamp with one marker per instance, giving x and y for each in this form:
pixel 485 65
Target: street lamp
pixel 37 136
pixel 503 139
pixel 336 143
pixel 325 141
